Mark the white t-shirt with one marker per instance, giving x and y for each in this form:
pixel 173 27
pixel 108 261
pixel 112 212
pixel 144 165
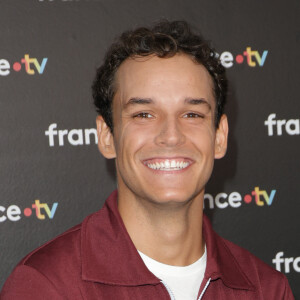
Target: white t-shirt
pixel 183 282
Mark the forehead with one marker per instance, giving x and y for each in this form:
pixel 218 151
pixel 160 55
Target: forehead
pixel 152 76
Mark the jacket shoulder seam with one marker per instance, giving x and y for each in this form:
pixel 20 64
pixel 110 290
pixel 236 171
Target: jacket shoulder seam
pixel 27 257
pixel 40 274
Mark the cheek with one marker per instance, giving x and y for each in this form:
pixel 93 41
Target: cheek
pixel 203 138
pixel 129 141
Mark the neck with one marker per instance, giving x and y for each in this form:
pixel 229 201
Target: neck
pixel 170 233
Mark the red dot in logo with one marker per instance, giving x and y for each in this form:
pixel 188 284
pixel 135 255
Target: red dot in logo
pixel 17 66
pixel 239 58
pixel 27 212
pixel 247 198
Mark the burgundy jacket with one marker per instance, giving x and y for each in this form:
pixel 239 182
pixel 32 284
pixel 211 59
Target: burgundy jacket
pixel 97 260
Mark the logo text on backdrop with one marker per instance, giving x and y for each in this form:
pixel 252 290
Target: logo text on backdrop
pixel 252 57
pixel 288 263
pixel 42 211
pixel 74 137
pixel 31 65
pixel 277 127
pixel 235 199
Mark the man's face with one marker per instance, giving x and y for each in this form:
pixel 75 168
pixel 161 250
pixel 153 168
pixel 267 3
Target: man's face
pixel 164 136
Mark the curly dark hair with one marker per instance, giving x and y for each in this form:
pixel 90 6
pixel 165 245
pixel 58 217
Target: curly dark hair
pixel 164 40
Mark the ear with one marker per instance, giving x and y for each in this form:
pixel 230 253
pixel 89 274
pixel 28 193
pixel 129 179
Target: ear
pixel 105 139
pixel 221 138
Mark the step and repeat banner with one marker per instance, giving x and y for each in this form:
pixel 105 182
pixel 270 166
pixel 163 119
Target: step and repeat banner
pixel 52 174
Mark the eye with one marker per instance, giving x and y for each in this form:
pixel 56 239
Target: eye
pixel 143 115
pixel 192 115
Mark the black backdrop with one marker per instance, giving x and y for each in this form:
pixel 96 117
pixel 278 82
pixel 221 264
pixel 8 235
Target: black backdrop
pixel 49 52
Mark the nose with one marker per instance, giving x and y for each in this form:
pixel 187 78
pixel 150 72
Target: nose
pixel 169 133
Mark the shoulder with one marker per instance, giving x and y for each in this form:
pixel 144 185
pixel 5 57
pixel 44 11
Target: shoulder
pixel 51 266
pixel 60 250
pixel 63 251
pixel 248 262
pixel 45 269
pixel 264 277
pixel 54 270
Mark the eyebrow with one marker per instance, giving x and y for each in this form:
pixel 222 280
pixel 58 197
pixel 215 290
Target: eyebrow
pixel 192 101
pixel 133 101
pixel 197 101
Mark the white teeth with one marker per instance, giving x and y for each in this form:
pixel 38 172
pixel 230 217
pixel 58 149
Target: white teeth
pixel 168 165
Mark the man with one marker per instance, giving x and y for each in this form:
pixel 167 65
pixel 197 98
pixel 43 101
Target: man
pixel 160 95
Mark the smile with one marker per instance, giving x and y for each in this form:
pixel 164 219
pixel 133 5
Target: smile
pixel 167 164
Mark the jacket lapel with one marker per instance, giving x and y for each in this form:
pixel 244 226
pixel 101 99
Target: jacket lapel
pixel 221 262
pixel 108 254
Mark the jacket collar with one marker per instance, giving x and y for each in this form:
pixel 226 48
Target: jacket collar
pixel 108 254
pixel 221 262
pixel 110 257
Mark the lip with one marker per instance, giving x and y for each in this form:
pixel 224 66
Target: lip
pixel 170 165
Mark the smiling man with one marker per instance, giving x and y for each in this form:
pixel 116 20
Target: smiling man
pixel 160 95
pixel 164 140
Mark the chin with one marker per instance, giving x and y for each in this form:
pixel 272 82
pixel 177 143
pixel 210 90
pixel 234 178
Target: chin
pixel 172 198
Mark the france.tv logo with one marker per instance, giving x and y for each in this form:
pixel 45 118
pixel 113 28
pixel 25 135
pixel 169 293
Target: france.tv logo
pixel 257 196
pixel 40 210
pixel 252 58
pixel 29 64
